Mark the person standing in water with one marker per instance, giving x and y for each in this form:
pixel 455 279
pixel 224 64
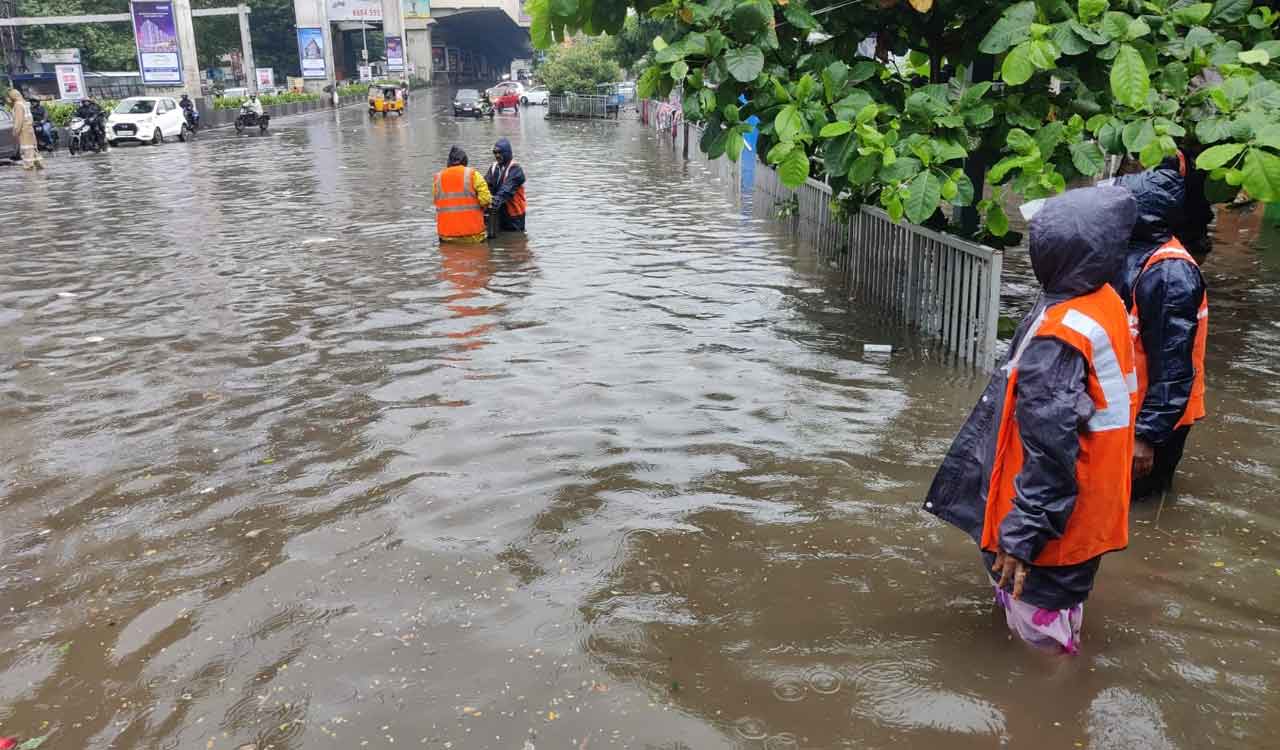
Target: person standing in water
pixel 25 132
pixel 461 197
pixel 506 181
pixel 1039 474
pixel 1164 291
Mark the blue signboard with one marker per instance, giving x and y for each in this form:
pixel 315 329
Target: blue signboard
pixel 155 32
pixel 311 50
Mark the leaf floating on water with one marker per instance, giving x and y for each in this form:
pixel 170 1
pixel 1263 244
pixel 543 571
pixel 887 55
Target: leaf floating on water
pixel 1219 564
pixel 64 648
pixel 268 460
pixel 552 716
pixel 33 743
pixel 253 534
pixel 149 553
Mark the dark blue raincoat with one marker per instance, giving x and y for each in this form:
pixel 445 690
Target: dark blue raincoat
pixel 1168 297
pixel 504 180
pixel 1077 244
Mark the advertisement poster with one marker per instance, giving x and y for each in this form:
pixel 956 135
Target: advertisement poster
pixel 417 8
pixel 56 56
pixel 266 78
pixel 395 53
pixel 366 73
pixel 355 10
pixel 311 50
pixel 155 33
pixel 438 58
pixel 453 59
pixel 70 82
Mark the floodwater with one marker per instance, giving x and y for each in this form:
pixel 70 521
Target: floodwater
pixel 277 469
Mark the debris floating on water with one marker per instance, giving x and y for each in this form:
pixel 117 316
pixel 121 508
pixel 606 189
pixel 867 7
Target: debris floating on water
pixel 877 349
pixel 94 339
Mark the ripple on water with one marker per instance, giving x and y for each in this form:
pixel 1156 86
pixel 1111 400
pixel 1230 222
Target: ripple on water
pixel 751 728
pixel 782 741
pixel 824 681
pixel 790 688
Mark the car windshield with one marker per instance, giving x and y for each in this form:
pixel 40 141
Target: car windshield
pixel 467 95
pixel 136 107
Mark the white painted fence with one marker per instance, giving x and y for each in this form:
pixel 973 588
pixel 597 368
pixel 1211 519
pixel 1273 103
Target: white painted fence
pixel 944 287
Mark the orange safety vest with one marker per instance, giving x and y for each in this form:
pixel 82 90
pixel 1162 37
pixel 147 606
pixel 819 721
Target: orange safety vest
pixel 458 211
pixel 1195 411
pixel 515 207
pixel 1095 325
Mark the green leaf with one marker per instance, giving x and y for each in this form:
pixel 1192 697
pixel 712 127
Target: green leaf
pixel 964 191
pixel 1138 134
pixel 1116 24
pixel 1230 11
pixel 679 71
pixel 789 123
pixel 948 150
pixel 1269 136
pixel 833 129
pixel 839 153
pixel 734 142
pixel 1198 37
pixel 833 79
pixel 1013 28
pixel 893 204
pixel 1213 129
pixel 1043 54
pixel 1174 78
pixel 1087 158
pixel 867 114
pixel 1138 28
pixel 923 195
pixel 1010 163
pixel 1191 15
pixel 1218 156
pixel 1096 122
pixel 972 96
pixel 1020 142
pixel 949 190
pixel 33 743
pixel 1152 154
pixel 1088 33
pixel 1068 40
pixel 744 63
pixel 1091 9
pixel 799 17
pixel 980 115
pixel 1110 137
pixel 849 107
pixel 862 71
pixel 1049 137
pixel 780 151
pixel 670 54
pixel 997 222
pixel 922 105
pixel 1017 68
pixel 1262 175
pixel 1130 82
pixel 794 170
pixel 1255 57
pixel 901 170
pixel 864 169
pixel 659 44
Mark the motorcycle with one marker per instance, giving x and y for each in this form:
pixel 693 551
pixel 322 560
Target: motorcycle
pixel 486 108
pixel 191 119
pixel 249 119
pixel 86 135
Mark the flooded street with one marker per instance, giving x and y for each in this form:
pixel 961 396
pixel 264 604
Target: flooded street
pixel 275 468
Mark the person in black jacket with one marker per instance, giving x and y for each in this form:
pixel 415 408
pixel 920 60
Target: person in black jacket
pixel 1070 485
pixel 1170 299
pixel 506 183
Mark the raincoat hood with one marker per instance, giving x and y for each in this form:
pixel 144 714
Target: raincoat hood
pixel 503 147
pixel 1159 194
pixel 1079 239
pixel 14 96
pixel 457 156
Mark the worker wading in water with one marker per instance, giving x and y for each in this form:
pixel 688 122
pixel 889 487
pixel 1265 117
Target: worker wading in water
pixel 461 197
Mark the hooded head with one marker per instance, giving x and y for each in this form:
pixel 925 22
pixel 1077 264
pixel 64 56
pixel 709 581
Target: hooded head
pixel 457 157
pixel 1079 239
pixel 15 96
pixel 1159 194
pixel 503 150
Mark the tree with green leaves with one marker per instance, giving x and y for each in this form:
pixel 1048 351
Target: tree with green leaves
pixel 578 66
pixel 1040 90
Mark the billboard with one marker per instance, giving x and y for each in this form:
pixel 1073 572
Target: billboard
pixel 355 10
pixel 417 8
pixel 55 56
pixel 311 50
pixel 70 82
pixel 395 53
pixel 155 32
pixel 266 78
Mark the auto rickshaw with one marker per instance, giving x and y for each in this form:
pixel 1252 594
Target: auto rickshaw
pixel 385 100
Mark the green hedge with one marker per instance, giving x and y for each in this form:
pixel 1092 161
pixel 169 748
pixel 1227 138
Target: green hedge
pixel 354 89
pixel 61 113
pixel 234 102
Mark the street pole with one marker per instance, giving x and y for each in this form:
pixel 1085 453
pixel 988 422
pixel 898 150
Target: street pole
pixel 246 45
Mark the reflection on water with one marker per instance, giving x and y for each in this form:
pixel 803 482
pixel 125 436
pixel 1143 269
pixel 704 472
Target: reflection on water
pixel 278 468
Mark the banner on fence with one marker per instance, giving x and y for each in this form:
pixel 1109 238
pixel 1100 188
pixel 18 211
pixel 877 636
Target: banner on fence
pixel 311 50
pixel 70 82
pixel 395 54
pixel 155 33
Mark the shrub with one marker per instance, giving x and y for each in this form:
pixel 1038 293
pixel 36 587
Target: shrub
pixel 354 89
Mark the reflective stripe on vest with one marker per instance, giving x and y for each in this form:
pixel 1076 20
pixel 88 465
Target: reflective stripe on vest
pixel 1195 410
pixel 458 212
pixel 1096 326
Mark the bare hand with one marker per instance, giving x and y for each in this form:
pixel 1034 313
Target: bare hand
pixel 1008 567
pixel 1144 456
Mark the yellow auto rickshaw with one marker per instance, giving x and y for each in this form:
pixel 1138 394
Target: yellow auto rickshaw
pixel 385 100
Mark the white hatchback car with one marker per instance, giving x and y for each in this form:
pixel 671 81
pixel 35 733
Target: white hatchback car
pixel 535 95
pixel 146 119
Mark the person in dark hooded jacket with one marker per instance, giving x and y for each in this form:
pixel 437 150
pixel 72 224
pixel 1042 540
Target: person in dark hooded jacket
pixel 1160 283
pixel 506 182
pixel 1039 474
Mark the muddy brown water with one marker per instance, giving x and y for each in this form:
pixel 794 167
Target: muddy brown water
pixel 275 468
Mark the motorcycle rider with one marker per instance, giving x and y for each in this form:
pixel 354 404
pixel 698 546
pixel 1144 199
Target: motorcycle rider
pixel 91 113
pixel 189 111
pixel 43 127
pixel 253 105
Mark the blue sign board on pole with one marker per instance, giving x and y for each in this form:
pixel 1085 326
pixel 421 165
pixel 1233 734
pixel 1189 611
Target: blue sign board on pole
pixel 311 50
pixel 155 32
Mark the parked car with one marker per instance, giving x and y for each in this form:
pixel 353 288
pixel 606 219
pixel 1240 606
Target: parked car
pixel 467 102
pixel 146 119
pixel 536 95
pixel 8 140
pixel 506 95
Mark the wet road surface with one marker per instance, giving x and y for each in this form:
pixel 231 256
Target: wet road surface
pixel 276 468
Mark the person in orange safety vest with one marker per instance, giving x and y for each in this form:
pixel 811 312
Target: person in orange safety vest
pixel 1164 291
pixel 1039 475
pixel 461 196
